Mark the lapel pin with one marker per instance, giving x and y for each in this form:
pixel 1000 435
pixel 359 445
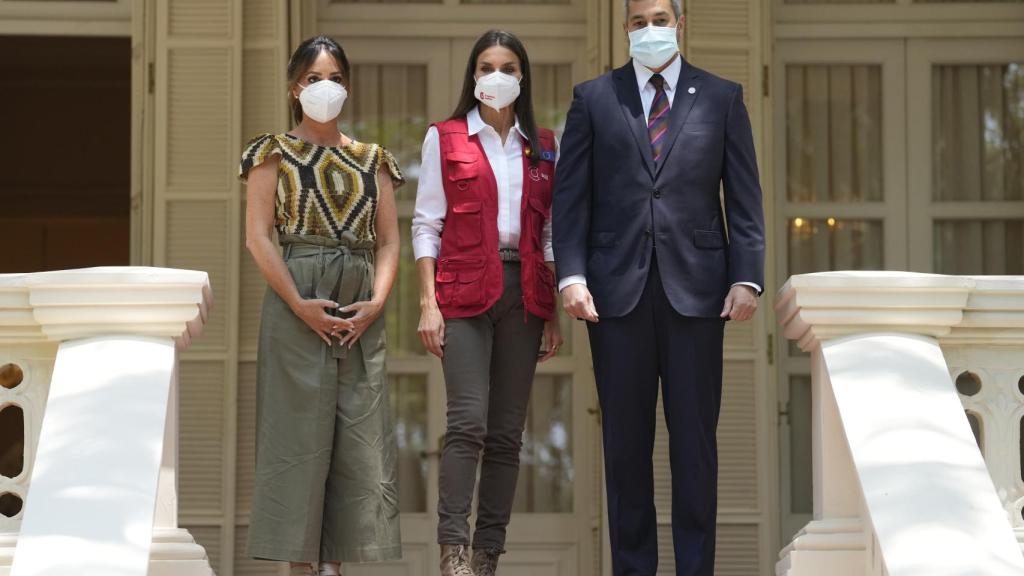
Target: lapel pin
pixel 692 90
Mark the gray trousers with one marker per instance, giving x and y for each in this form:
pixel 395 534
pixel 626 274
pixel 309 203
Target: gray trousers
pixel 489 362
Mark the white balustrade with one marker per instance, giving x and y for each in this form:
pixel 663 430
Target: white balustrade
pixel 90 358
pixel 900 487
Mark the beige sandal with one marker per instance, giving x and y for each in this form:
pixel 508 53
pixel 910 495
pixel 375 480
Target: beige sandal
pixel 330 569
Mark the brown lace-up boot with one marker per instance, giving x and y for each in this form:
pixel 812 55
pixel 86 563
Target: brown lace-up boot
pixel 485 562
pixel 454 561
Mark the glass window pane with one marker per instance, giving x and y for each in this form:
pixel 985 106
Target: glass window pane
pixel 388 105
pixel 839 2
pixel 979 247
pixel 833 244
pixel 963 1
pixel 801 475
pixel 552 94
pixel 386 1
pixel 408 396
pixel 535 2
pixel 978 132
pixel 834 142
pixel 403 306
pixel 546 463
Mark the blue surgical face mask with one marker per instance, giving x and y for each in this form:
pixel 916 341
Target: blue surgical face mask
pixel 653 46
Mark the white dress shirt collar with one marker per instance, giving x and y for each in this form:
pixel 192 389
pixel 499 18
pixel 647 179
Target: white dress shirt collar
pixel 670 74
pixel 474 123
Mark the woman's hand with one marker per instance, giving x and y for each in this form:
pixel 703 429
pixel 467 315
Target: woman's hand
pixel 312 313
pixel 366 313
pixel 552 339
pixel 431 329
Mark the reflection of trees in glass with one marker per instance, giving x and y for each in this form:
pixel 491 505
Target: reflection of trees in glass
pixel 388 105
pixel 408 396
pixel 833 244
pixel 833 130
pixel 991 247
pixel 403 307
pixel 403 137
pixel 978 132
pixel 552 93
pixel 978 155
pixel 546 466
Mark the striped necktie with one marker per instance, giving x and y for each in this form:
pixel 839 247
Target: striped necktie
pixel 657 123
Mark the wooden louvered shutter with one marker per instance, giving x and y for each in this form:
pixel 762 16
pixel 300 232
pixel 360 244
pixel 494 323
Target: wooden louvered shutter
pixel 725 38
pixel 197 126
pixel 264 105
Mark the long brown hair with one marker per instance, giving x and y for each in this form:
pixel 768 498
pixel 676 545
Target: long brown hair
pixel 524 104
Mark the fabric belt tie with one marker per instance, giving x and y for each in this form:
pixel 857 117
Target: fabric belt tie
pixel 341 263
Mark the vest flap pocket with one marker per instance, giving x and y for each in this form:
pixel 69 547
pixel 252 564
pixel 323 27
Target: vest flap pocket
pixel 709 239
pixel 465 157
pixel 461 166
pixel 538 204
pixel 467 207
pixel 445 277
pixel 461 264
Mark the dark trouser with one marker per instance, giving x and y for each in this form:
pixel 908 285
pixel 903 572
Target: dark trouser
pixel 630 354
pixel 489 362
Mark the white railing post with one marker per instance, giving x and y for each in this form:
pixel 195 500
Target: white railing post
pixel 101 437
pixel 900 486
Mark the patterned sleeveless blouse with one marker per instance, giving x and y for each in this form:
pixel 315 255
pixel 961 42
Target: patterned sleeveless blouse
pixel 323 190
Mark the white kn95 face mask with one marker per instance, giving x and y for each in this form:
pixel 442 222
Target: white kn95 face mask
pixel 497 89
pixel 322 101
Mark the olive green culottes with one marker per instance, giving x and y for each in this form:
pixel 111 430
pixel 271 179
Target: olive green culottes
pixel 326 486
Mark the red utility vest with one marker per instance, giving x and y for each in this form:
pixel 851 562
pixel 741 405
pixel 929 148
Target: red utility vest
pixel 469 277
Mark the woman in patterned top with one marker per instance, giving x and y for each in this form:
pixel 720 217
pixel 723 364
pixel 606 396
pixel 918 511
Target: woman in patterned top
pixel 326 482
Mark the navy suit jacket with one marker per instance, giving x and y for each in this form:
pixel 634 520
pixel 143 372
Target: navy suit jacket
pixel 614 206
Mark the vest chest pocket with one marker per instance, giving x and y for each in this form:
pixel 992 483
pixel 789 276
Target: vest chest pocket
pixel 466 224
pixel 462 167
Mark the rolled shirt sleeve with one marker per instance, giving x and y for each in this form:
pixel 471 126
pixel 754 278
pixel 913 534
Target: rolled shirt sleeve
pixel 431 203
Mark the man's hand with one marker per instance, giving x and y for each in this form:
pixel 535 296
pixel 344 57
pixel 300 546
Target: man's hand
pixel 578 303
pixel 740 304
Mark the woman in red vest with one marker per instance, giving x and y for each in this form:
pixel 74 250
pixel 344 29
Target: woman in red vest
pixel 482 240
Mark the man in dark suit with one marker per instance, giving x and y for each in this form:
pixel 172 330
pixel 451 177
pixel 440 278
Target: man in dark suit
pixel 649 255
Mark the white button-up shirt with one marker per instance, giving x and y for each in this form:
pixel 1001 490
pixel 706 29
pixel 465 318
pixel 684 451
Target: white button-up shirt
pixel 647 93
pixel 506 161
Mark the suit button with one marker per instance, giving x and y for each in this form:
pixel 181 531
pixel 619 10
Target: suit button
pixel 657 193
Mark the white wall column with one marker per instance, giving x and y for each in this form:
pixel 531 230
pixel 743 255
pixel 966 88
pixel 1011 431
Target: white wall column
pixel 100 482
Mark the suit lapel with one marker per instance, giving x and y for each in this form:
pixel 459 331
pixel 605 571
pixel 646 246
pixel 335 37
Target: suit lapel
pixel 682 103
pixel 633 111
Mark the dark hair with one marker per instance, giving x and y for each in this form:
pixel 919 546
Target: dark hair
pixel 524 104
pixel 303 58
